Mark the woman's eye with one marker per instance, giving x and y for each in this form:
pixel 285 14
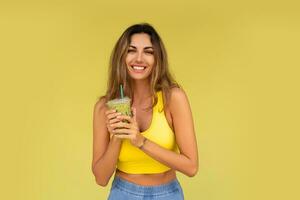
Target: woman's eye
pixel 130 50
pixel 149 52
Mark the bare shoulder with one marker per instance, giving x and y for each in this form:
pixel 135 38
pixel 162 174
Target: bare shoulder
pixel 179 106
pixel 100 105
pixel 178 92
pixel 178 98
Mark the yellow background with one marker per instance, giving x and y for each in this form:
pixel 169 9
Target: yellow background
pixel 238 61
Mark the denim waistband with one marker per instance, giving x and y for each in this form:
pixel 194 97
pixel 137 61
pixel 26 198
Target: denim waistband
pixel 145 190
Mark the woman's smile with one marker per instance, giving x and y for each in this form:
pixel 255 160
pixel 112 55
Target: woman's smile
pixel 138 68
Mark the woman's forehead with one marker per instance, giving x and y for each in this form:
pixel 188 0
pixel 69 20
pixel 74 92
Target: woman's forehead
pixel 140 40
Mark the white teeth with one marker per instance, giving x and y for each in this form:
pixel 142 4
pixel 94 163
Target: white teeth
pixel 138 67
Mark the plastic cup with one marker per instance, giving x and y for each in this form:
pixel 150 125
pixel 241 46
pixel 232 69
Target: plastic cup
pixel 121 105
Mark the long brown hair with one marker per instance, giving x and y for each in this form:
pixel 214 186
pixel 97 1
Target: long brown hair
pixel 160 77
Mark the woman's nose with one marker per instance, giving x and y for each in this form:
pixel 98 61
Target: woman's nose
pixel 139 56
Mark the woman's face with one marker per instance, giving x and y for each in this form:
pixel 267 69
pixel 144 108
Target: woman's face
pixel 140 56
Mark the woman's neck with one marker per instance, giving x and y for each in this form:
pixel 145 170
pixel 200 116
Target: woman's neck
pixel 141 91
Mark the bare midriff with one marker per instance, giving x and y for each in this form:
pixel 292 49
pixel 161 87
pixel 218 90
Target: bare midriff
pixel 148 179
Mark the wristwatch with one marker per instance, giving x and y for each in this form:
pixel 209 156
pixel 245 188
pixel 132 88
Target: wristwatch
pixel 141 146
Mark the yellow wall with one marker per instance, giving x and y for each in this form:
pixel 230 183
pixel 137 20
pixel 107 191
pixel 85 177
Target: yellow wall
pixel 238 62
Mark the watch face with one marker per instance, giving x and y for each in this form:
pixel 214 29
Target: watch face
pixel 143 143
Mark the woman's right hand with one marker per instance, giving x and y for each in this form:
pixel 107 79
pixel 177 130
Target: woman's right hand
pixel 111 118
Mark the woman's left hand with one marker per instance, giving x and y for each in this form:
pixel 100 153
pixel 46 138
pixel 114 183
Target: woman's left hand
pixel 128 130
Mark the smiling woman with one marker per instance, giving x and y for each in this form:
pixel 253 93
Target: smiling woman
pixel 159 138
pixel 140 58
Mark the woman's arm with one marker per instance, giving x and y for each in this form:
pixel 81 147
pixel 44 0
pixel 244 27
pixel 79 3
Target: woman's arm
pixel 105 150
pixel 185 162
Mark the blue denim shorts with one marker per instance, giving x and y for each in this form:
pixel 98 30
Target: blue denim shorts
pixel 123 190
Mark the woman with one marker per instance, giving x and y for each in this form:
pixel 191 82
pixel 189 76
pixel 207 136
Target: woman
pixel 159 138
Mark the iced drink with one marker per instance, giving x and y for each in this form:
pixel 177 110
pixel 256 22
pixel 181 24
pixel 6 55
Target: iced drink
pixel 120 105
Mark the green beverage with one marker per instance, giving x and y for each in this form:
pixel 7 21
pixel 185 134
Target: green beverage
pixel 120 105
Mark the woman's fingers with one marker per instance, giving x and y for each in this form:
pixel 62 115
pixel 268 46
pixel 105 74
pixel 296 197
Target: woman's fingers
pixel 113 115
pixel 111 118
pixel 114 120
pixel 122 117
pixel 123 136
pixel 110 111
pixel 121 125
pixel 122 131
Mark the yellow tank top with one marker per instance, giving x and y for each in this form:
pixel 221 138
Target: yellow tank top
pixel 132 160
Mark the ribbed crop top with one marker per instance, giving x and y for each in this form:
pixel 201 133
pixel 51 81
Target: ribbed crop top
pixel 132 160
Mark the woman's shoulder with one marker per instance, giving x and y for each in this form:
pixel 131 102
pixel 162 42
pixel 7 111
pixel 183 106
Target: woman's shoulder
pixel 178 99
pixel 177 94
pixel 100 104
